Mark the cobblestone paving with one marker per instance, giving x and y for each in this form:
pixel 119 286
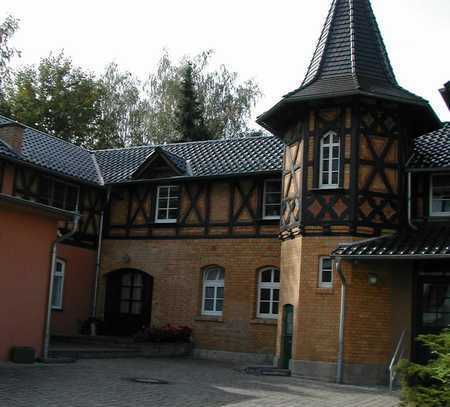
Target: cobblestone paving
pixel 106 383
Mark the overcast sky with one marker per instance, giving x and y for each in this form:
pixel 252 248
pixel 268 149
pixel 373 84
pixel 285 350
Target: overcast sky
pixel 271 41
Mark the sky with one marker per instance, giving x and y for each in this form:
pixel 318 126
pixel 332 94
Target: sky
pixel 266 40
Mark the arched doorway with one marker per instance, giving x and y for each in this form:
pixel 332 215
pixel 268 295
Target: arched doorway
pixel 128 301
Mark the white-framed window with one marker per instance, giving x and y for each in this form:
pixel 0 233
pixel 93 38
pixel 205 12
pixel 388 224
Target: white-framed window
pixel 58 284
pixel 167 203
pixel 440 195
pixel 268 293
pixel 330 157
pixel 213 290
pixel 272 199
pixel 326 272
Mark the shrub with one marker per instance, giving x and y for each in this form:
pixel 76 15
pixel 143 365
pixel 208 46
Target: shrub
pixel 168 333
pixel 428 385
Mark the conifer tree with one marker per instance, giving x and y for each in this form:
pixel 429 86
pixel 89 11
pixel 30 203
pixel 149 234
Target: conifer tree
pixel 190 111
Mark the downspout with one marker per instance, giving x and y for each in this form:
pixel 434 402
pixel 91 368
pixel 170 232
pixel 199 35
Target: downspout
pixel 54 253
pixel 340 358
pixel 99 255
pixel 410 202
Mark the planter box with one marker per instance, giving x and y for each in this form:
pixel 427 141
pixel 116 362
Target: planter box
pixel 164 350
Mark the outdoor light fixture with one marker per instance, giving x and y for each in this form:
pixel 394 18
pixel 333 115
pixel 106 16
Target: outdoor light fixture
pixel 126 258
pixel 373 279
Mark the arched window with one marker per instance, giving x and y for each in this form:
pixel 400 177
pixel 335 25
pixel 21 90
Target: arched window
pixel 268 293
pixel 213 288
pixel 330 155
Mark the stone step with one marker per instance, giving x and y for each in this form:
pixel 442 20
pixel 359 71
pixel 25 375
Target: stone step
pixel 97 340
pixel 267 371
pixel 95 353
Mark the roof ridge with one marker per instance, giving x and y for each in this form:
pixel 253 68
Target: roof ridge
pixel 97 169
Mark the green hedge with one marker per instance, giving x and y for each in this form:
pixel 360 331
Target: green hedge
pixel 428 385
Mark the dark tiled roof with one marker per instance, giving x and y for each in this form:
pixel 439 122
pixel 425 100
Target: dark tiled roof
pixel 206 158
pixel 432 150
pixel 428 240
pixel 6 151
pixel 56 155
pixel 350 59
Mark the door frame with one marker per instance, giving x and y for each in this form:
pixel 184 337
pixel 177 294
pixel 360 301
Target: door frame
pixel 147 292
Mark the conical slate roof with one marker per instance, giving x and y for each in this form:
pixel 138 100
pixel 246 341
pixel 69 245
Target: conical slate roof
pixel 350 59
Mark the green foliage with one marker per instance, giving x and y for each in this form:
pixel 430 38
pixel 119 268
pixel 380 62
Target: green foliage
pixel 225 102
pixel 428 385
pixel 58 98
pixel 123 109
pixel 183 100
pixel 7 30
pixel 190 112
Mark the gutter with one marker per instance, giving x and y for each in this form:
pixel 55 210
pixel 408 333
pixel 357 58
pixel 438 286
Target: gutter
pixel 54 253
pixel 340 356
pixel 99 255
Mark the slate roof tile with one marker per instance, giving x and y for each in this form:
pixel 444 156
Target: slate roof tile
pixel 57 155
pixel 429 239
pixel 432 150
pixel 206 158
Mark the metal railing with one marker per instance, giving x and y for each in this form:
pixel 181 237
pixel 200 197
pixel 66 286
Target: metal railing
pixel 398 354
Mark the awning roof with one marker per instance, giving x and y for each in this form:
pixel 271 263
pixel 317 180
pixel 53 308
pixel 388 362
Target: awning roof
pixel 430 240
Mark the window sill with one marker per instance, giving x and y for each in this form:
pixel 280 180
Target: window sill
pixel 264 321
pixel 208 318
pixel 333 189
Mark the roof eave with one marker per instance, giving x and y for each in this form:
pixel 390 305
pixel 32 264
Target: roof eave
pixel 187 178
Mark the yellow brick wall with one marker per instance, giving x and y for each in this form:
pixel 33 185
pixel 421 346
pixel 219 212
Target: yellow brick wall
pixel 176 266
pixel 374 315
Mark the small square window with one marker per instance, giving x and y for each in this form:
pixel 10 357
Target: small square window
pixel 272 199
pixel 440 195
pixel 167 203
pixel 326 272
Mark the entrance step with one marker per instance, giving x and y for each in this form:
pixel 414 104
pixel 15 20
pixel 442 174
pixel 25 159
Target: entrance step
pixel 267 371
pixel 116 341
pixel 80 351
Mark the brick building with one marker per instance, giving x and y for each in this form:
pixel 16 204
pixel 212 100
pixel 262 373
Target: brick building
pixel 362 186
pixel 353 182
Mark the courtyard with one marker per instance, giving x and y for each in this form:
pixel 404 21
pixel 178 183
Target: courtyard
pixel 188 382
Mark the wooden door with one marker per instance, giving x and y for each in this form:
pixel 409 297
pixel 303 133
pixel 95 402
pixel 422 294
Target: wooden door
pixel 128 302
pixel 288 330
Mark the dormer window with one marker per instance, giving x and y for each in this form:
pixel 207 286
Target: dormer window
pixel 440 195
pixel 330 156
pixel 167 203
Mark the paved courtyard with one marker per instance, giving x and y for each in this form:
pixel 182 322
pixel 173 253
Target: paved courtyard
pixel 109 383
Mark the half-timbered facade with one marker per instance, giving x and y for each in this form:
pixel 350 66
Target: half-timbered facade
pixel 349 132
pixel 325 245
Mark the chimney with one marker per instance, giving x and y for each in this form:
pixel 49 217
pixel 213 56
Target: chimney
pixel 445 92
pixel 12 135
